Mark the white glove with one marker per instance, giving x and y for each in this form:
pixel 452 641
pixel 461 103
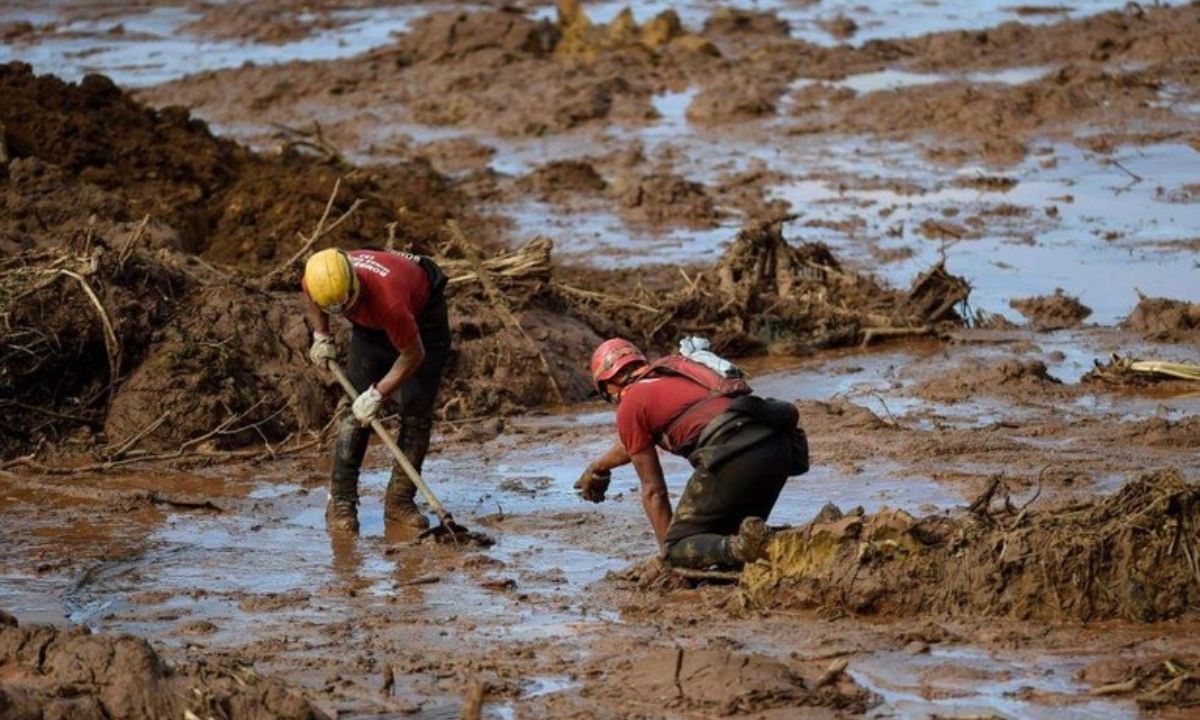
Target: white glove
pixel 322 351
pixel 366 406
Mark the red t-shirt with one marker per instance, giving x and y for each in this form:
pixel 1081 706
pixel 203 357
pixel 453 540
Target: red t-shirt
pixel 393 290
pixel 648 406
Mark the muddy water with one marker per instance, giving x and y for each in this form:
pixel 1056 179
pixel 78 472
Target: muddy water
pixel 880 19
pixel 154 45
pixel 264 580
pixel 966 682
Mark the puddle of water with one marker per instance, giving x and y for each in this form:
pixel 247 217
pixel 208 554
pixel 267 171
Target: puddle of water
pixel 154 48
pixel 672 110
pixel 535 687
pixel 33 599
pixel 1089 219
pixel 892 79
pixel 966 681
pixel 878 19
pixel 602 237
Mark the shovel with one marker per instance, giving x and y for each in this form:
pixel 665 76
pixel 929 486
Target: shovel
pixel 447 529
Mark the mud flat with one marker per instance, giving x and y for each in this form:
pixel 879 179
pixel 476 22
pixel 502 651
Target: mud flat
pixel 895 217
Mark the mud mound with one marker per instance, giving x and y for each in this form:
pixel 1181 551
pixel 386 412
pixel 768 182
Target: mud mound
pixel 667 199
pixel 1052 312
pixel 1164 319
pixel 253 22
pixel 107 343
pixel 70 673
pixel 978 377
pixel 222 200
pixel 734 100
pixel 560 178
pixel 1132 555
pixel 724 682
pixel 456 35
pixel 735 21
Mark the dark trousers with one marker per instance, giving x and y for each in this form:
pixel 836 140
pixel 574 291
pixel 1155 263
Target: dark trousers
pixel 714 504
pixel 370 357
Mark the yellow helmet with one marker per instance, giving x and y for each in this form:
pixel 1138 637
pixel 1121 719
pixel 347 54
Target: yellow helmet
pixel 330 280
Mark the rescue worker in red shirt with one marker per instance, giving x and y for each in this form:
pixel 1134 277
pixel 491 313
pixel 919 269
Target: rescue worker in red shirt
pixel 743 449
pixel 399 344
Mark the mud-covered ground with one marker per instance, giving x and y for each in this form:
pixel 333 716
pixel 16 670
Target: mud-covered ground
pixel 1046 155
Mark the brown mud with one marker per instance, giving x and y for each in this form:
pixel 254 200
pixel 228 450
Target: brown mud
pixel 1129 556
pixel 49 672
pixel 141 344
pixel 1052 312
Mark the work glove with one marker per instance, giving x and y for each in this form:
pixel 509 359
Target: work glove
pixel 366 406
pixel 322 351
pixel 592 484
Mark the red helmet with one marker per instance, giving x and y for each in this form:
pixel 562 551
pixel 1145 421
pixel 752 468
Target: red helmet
pixel 610 358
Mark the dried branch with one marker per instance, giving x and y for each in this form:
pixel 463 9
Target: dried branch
pixel 501 304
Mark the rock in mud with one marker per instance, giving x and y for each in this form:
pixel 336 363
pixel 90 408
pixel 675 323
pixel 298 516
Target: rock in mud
pixel 50 673
pixel 1024 564
pixel 1164 319
pixel 1052 312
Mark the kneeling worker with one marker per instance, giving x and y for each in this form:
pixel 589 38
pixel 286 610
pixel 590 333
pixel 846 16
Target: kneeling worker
pixel 399 343
pixel 742 447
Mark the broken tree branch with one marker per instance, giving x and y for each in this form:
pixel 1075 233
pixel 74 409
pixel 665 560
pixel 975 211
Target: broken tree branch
pixel 501 304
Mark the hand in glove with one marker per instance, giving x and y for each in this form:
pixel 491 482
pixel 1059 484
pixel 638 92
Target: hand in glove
pixel 592 484
pixel 322 351
pixel 366 406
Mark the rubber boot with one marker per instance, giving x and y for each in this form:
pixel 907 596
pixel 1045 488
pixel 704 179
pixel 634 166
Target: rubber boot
pixel 341 513
pixel 399 501
pixel 750 544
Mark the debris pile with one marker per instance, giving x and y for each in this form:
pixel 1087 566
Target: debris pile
pixel 1134 555
pixel 1136 372
pixel 766 294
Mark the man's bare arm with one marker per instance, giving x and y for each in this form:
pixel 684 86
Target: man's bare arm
pixel 654 492
pixel 614 457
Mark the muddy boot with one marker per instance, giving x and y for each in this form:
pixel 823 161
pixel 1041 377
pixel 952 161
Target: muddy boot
pixel 341 512
pixel 399 505
pixel 750 544
pixel 398 502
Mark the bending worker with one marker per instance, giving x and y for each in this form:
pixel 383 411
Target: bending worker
pixel 742 447
pixel 399 343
